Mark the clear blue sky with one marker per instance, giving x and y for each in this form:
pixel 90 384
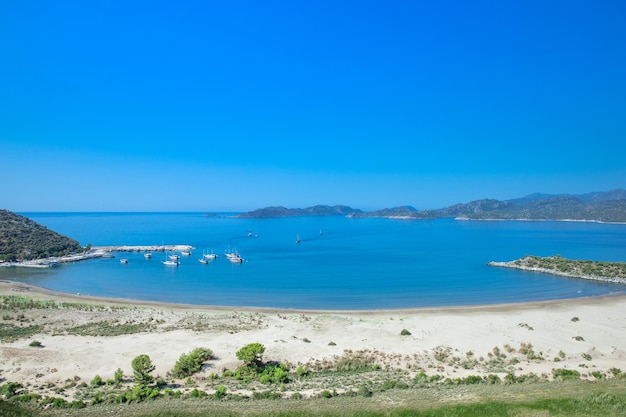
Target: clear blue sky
pixel 234 105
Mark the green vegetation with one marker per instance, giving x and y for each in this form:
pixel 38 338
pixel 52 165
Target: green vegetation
pixel 23 239
pixel 251 353
pixel 189 364
pixel 105 328
pixel 142 366
pixel 405 332
pixel 17 302
pixel 10 332
pixel 604 271
pixel 563 399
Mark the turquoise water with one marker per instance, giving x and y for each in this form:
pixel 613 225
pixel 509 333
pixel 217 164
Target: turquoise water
pixel 354 264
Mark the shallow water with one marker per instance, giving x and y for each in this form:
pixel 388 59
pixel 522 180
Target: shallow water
pixel 353 264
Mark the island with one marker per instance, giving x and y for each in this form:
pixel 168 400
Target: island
pixel 614 272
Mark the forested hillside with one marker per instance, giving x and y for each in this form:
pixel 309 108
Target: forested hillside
pixel 21 239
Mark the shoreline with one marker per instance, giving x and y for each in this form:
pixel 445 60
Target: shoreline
pixel 525 339
pixel 9 287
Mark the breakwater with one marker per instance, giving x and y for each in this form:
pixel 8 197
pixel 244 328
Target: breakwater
pixel 94 252
pixel 143 248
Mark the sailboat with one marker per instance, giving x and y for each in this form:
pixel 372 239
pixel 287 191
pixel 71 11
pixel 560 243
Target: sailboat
pixel 171 261
pixel 298 239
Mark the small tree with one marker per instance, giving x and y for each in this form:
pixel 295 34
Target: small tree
pixel 251 353
pixel 142 366
pixel 118 376
pixel 191 363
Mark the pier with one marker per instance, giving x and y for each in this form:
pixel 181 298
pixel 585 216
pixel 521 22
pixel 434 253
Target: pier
pixel 95 252
pixel 143 248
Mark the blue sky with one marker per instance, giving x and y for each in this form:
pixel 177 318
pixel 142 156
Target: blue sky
pixel 234 105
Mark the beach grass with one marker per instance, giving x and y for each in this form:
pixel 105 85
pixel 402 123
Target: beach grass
pixel 569 398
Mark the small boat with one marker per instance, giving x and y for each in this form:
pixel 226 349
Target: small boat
pixel 185 253
pixel 147 255
pixel 298 239
pixel 108 255
pixel 170 263
pixel 236 259
pixel 203 261
pixel 174 258
pixel 209 256
pixel 124 260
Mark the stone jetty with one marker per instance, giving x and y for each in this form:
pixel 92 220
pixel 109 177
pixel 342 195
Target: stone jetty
pixel 95 252
pixel 140 248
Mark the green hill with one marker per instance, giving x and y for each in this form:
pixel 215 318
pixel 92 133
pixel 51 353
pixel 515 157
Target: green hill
pixel 22 239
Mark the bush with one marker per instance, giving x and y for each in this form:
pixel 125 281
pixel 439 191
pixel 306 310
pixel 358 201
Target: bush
pixel 405 332
pixel 142 366
pixel 35 343
pixel 10 389
pixel 96 381
pixel 189 364
pixel 251 353
pixel 118 376
pixel 563 374
pixel 220 392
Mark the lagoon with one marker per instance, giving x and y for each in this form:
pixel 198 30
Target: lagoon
pixel 354 264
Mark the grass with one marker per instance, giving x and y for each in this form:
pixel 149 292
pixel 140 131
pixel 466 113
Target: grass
pixel 569 398
pixel 10 332
pixel 105 328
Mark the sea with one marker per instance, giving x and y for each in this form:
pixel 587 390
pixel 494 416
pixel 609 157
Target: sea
pixel 340 263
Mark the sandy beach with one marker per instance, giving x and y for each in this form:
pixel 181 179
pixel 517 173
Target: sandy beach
pixel 586 334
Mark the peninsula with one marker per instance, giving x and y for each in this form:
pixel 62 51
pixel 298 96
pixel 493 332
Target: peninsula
pixel 614 272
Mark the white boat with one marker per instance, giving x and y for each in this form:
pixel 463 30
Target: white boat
pixel 185 253
pixel 174 258
pixel 170 263
pixel 124 260
pixel 203 261
pixel 236 259
pixel 298 239
pixel 209 256
pixel 147 255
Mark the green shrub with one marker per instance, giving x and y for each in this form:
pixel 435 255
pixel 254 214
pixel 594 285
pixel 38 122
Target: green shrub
pixel 189 364
pixel 251 353
pixel 142 366
pixel 220 392
pixel 405 332
pixel 35 343
pixel 96 381
pixel 196 393
pixel 118 376
pixel 265 395
pixel 10 389
pixel 564 374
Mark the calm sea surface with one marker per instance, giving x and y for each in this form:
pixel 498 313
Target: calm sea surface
pixel 353 264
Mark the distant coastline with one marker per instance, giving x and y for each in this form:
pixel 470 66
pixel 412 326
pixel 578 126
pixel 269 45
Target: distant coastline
pixel 600 207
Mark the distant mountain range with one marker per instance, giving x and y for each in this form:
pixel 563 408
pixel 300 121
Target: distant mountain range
pixel 609 206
